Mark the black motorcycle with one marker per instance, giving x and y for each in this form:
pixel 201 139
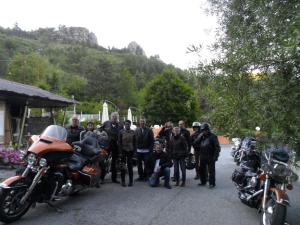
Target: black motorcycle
pixel 263 184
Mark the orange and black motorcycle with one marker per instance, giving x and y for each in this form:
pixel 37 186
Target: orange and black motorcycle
pixel 52 169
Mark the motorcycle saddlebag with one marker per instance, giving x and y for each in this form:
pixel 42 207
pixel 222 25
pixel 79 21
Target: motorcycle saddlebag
pixel 238 177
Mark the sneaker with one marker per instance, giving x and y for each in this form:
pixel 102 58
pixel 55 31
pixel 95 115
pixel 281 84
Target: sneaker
pixel 212 186
pixel 201 184
pixel 123 184
pixel 197 177
pixel 116 181
pixel 130 184
pixel 182 184
pixel 177 183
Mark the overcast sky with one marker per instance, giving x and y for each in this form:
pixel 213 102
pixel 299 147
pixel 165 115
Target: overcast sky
pixel 163 27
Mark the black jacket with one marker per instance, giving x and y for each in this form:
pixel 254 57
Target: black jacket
pixel 186 134
pixel 209 146
pixel 145 139
pixel 112 129
pixel 165 161
pixel 73 133
pixel 166 134
pixel 178 147
pixel 194 136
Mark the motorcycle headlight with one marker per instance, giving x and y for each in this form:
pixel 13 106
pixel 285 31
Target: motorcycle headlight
pixel 31 159
pixel 22 155
pixel 280 172
pixel 43 162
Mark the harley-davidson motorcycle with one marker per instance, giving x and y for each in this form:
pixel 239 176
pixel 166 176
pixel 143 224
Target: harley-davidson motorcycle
pixel 245 145
pixel 262 183
pixel 52 169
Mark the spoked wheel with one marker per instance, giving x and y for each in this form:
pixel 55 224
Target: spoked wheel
pixel 10 207
pixel 275 213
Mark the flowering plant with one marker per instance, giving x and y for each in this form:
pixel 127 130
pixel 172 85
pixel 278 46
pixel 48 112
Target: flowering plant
pixel 9 156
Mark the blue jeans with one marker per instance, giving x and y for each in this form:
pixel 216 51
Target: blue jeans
pixel 154 179
pixel 179 162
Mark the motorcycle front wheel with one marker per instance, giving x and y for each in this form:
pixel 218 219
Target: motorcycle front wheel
pixel 275 213
pixel 10 207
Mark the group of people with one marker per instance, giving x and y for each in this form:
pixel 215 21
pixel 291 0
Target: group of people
pixel 155 156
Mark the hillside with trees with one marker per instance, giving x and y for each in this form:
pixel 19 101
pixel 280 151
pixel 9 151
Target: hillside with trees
pixel 68 61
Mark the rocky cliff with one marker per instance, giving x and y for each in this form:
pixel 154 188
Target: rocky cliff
pixel 62 34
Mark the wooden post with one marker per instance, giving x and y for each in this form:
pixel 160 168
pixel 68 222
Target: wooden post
pixel 64 118
pixel 52 116
pixel 22 125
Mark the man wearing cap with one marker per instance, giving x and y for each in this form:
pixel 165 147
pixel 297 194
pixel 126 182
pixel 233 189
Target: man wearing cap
pixel 74 130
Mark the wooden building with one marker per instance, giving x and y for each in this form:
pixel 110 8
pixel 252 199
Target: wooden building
pixel 15 100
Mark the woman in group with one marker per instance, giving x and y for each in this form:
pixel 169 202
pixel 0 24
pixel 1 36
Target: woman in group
pixel 179 151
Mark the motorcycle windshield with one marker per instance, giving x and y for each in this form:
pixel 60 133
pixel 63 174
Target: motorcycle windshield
pixel 55 131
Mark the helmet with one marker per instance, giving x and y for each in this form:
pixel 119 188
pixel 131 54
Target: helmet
pixel 196 124
pixel 205 126
pixel 190 162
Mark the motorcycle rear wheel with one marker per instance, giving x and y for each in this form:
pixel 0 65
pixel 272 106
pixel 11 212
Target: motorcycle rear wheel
pixel 275 214
pixel 10 207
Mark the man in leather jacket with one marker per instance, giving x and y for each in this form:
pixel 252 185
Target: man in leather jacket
pixel 127 147
pixel 113 128
pixel 209 152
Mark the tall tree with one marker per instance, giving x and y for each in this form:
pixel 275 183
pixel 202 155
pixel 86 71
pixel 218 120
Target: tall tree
pixel 167 97
pixel 260 64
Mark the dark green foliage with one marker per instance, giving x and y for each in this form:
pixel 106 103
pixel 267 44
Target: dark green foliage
pixel 90 107
pixel 167 97
pixel 256 79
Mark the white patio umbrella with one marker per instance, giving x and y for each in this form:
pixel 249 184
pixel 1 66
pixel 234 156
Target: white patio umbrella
pixel 129 115
pixel 105 116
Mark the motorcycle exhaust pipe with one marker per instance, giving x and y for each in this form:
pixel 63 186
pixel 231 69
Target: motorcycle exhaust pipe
pixel 255 194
